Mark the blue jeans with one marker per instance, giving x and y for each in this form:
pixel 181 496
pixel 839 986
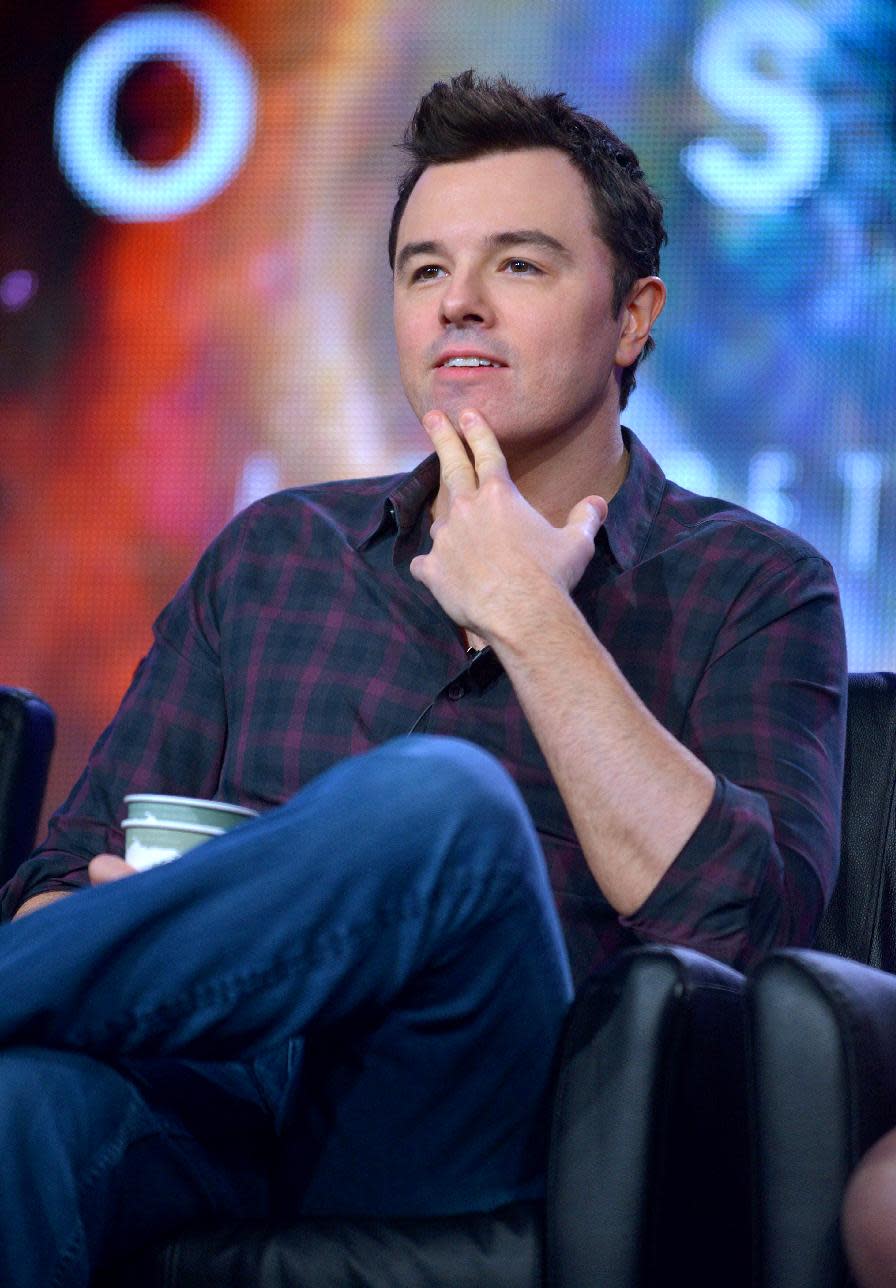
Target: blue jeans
pixel 350 1005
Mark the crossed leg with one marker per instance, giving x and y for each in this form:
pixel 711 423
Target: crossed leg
pixel 395 915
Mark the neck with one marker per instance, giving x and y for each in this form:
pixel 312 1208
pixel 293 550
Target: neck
pixel 553 479
pixel 553 482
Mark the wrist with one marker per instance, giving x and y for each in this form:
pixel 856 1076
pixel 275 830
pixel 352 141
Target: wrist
pixel 39 901
pixel 519 625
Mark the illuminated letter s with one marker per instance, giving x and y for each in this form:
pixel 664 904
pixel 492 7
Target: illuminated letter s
pixel 725 69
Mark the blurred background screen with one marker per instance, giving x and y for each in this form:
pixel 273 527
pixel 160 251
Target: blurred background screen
pixel 195 297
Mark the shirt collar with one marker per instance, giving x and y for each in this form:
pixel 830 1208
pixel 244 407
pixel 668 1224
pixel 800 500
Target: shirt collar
pixel 629 520
pixel 633 509
pixel 399 509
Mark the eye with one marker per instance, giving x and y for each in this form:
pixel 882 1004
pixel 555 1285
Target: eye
pixel 520 267
pixel 426 273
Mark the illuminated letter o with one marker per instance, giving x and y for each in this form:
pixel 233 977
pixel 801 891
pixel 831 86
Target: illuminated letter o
pixel 92 158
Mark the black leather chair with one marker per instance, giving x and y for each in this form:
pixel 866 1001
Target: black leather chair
pixel 823 1026
pixel 27 735
pixel 649 1112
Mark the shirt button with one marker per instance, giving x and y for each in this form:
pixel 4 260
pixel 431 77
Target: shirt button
pixel 456 691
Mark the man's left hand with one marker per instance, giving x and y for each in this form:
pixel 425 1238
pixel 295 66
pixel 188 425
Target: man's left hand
pixel 492 550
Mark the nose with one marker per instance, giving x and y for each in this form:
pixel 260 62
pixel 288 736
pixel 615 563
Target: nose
pixel 465 300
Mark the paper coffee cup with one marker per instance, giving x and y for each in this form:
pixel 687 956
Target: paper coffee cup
pixel 161 828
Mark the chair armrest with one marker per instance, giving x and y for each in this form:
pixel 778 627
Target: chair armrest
pixel 823 1055
pixel 648 1165
pixel 27 733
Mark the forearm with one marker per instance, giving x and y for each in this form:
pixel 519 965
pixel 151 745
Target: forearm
pixel 634 794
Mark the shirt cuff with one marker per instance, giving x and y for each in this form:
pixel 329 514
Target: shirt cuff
pixel 709 896
pixel 48 871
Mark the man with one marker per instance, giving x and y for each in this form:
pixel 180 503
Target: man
pixel 662 675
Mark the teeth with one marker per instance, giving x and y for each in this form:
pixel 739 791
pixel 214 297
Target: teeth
pixel 469 362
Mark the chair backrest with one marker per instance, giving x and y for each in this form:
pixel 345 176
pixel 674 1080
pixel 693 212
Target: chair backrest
pixel 27 734
pixel 860 921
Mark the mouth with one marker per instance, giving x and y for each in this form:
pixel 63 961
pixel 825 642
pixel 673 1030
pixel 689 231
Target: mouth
pixel 467 362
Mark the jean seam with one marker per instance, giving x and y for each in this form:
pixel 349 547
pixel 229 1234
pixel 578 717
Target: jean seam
pixel 156 1018
pixel 114 1150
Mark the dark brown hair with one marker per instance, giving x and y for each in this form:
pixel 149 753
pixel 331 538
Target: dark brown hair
pixel 469 117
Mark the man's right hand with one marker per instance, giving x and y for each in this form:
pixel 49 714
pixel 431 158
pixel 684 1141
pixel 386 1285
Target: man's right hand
pixel 101 869
pixel 108 867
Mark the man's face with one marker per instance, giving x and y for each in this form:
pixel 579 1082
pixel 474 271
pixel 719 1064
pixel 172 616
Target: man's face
pixel 498 258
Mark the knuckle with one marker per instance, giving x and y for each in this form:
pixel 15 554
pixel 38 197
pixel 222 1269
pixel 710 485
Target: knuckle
pixel 492 486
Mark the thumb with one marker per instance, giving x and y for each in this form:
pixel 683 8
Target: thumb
pixel 588 515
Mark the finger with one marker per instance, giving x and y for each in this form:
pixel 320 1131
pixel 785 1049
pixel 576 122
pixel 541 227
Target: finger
pixel 458 475
pixel 418 568
pixel 487 455
pixel 108 867
pixel 588 516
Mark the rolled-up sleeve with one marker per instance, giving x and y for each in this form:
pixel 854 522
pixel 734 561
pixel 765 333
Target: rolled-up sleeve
pixel 769 718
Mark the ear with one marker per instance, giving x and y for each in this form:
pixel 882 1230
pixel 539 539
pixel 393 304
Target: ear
pixel 639 312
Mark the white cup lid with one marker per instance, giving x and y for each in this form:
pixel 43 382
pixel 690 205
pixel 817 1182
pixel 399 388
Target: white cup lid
pixel 196 801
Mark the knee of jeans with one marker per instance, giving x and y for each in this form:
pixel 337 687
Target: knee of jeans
pixel 444 786
pixel 430 771
pixel 46 1093
pixel 442 771
pixel 427 788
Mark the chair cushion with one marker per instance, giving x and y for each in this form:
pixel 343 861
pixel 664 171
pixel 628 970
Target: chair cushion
pixel 483 1250
pixel 823 1037
pixel 859 921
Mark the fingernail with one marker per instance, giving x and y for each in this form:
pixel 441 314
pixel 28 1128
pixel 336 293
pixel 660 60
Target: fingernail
pixel 467 419
pixel 430 421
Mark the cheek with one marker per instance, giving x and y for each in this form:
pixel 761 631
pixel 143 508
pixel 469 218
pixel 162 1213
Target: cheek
pixel 410 335
pixel 557 355
pixel 569 365
pixel 561 333
pixel 589 348
pixel 413 371
pixel 407 351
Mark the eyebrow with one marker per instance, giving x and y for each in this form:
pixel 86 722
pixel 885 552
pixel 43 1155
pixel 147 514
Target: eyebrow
pixel 495 241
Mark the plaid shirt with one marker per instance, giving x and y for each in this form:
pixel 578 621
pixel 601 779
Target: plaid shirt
pixel 301 638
